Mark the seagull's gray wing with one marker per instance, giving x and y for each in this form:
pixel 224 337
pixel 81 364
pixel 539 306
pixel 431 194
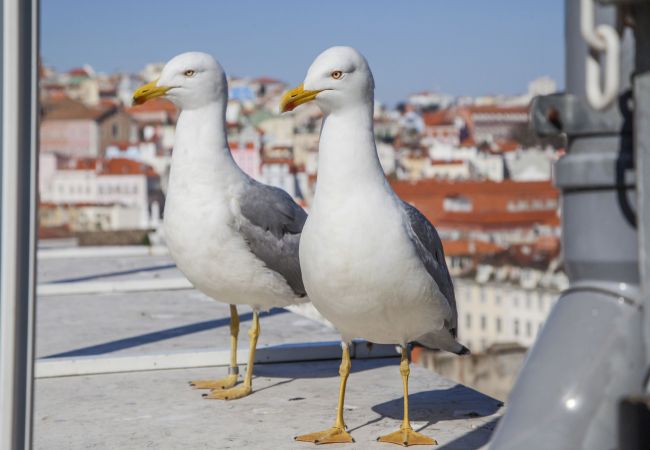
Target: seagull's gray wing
pixel 428 246
pixel 271 225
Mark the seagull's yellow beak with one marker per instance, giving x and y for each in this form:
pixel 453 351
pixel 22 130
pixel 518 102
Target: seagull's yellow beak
pixel 295 97
pixel 149 91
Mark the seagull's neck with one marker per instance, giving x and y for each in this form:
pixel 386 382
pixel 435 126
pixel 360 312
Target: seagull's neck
pixel 201 153
pixel 347 155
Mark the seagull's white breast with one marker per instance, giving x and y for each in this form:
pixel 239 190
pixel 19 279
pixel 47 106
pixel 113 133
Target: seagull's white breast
pixel 361 270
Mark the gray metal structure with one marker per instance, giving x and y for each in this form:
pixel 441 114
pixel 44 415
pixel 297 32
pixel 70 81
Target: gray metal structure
pixel 591 351
pixel 17 219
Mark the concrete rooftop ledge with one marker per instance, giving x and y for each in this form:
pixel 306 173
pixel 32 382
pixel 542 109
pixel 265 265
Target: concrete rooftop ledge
pixel 296 352
pixel 158 409
pixel 109 321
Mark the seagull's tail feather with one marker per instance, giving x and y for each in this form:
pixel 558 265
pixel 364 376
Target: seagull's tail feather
pixel 442 340
pixel 463 351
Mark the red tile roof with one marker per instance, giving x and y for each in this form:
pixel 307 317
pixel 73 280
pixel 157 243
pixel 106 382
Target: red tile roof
pixel 267 80
pixel 156 104
pixel 113 166
pixel 235 146
pixel 78 72
pixel 437 118
pixel 57 232
pixel 495 109
pixel 446 162
pixel 506 145
pixel 490 203
pixel 436 187
pixel 125 166
pixel 465 247
pixel 497 220
pixel 68 109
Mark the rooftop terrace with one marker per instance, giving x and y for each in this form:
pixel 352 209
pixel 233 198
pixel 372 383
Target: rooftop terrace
pixel 120 333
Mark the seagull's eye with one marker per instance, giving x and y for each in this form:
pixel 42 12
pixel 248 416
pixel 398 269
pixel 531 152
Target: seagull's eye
pixel 189 73
pixel 337 74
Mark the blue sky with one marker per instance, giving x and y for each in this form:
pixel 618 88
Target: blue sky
pixel 454 46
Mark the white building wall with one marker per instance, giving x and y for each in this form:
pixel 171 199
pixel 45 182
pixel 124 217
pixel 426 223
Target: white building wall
pixel 493 313
pixel 87 187
pixel 280 176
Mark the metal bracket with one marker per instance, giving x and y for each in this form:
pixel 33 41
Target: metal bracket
pixel 555 114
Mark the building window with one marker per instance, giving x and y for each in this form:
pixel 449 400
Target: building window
pixel 516 327
pixel 497 298
pixel 483 322
pixel 529 329
pixel 468 321
pixel 482 294
pixel 457 203
pixel 528 299
pixel 515 300
pixel 540 303
pixel 115 130
pixel 498 324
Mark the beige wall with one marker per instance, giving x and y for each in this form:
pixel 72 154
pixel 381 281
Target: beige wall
pixel 115 128
pixel 482 307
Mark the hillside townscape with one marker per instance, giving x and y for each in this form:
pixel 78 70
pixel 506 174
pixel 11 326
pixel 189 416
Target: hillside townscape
pixel 470 164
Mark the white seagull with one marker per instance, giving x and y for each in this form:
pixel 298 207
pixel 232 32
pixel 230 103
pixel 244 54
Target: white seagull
pixel 235 239
pixel 372 264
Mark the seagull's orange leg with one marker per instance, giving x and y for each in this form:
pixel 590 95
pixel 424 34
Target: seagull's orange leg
pixel 233 370
pixel 336 434
pixel 247 386
pixel 406 436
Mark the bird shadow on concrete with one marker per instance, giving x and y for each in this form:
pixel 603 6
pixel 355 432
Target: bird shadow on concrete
pixel 473 440
pixel 115 273
pixel 320 369
pixel 157 336
pixel 456 403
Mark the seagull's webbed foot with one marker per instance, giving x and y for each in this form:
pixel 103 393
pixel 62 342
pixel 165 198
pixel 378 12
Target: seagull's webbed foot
pixel 229 394
pixel 406 437
pixel 334 435
pixel 222 383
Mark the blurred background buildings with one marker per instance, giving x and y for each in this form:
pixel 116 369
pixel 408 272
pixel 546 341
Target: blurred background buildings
pixel 470 164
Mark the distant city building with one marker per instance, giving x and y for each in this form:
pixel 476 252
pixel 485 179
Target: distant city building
pixel 542 86
pixel 500 312
pixel 72 128
pixel 247 155
pixel 504 213
pixel 151 71
pixel 430 100
pixel 128 187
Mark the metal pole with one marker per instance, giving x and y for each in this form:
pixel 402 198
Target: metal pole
pixel 641 86
pixel 590 352
pixel 17 220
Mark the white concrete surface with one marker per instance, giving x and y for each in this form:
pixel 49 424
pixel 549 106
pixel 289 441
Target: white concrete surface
pixel 159 410
pixel 129 332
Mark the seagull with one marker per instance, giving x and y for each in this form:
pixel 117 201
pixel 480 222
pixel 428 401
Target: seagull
pixel 372 264
pixel 234 238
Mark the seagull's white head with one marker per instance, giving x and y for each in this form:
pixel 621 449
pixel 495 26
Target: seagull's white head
pixel 339 77
pixel 190 80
